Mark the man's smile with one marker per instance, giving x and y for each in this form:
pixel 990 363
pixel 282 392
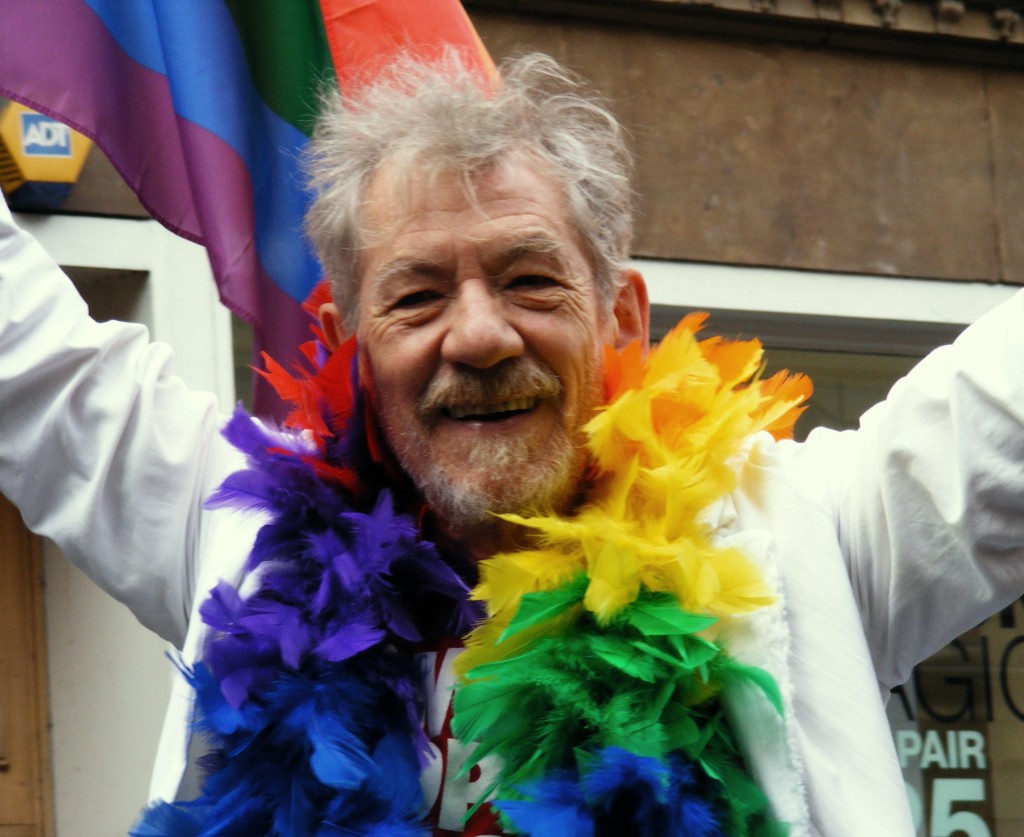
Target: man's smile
pixel 491 412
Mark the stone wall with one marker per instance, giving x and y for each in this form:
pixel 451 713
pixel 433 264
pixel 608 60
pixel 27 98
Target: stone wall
pixel 755 151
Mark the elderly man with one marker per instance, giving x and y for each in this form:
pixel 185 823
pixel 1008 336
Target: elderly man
pixel 476 243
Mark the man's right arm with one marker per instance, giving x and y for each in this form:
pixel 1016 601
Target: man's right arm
pixel 101 447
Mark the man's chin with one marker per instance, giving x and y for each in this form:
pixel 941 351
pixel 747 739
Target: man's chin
pixel 466 483
pixel 462 503
pixel 523 481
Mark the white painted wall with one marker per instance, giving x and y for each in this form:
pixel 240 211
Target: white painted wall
pixel 109 677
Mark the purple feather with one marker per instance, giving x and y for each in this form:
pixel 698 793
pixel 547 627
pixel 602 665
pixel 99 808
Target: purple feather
pixel 313 708
pixel 350 637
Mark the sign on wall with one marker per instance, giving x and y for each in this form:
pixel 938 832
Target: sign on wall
pixel 958 727
pixel 40 159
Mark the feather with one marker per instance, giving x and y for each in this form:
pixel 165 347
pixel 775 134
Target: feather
pixel 628 789
pixel 595 678
pixel 639 689
pixel 662 616
pixel 552 807
pixel 345 731
pixel 339 760
pixel 535 608
pixel 348 637
pixel 615 575
pixel 614 792
pixel 163 820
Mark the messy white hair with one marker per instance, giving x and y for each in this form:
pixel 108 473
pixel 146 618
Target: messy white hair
pixel 438 118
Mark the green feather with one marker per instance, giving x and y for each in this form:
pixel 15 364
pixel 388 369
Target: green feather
pixel 625 656
pixel 693 651
pixel 535 608
pixel 680 730
pixel 660 615
pixel 759 677
pixel 647 682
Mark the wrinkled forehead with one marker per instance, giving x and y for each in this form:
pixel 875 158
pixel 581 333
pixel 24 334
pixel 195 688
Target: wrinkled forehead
pixel 507 208
pixel 402 188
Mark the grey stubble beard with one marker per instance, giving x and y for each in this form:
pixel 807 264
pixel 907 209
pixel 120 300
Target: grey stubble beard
pixel 493 476
pixel 503 476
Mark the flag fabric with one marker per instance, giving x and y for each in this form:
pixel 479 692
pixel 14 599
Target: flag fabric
pixel 205 106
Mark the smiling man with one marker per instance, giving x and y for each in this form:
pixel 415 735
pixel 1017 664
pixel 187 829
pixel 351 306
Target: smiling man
pixel 485 293
pixel 690 626
pixel 481 329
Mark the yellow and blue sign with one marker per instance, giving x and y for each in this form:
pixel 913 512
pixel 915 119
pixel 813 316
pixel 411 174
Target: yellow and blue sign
pixel 40 159
pixel 44 137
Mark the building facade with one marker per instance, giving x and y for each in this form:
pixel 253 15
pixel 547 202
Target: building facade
pixel 842 177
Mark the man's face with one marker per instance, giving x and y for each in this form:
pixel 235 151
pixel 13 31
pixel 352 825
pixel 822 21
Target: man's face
pixel 481 335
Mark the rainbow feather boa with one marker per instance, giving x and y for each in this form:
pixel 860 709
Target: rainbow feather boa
pixel 594 675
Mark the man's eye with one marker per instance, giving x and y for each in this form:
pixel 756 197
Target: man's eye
pixel 415 300
pixel 531 280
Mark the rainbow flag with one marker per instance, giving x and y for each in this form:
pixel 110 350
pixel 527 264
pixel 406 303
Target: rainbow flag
pixel 204 107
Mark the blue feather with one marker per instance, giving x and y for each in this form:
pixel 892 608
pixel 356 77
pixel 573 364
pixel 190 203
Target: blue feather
pixel 312 712
pixel 554 808
pixel 163 820
pixel 339 760
pixel 614 792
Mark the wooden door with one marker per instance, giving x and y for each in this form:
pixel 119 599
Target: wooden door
pixel 26 795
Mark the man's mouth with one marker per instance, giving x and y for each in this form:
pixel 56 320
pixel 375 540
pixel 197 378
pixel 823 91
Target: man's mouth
pixel 491 412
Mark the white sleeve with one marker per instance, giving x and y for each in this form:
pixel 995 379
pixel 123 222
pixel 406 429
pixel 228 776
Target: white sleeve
pixel 929 494
pixel 101 448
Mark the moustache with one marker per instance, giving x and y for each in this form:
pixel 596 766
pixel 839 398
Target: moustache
pixel 454 387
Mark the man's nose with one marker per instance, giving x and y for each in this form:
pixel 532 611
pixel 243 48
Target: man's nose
pixel 479 333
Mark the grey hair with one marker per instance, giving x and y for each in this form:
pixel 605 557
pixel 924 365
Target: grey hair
pixel 427 119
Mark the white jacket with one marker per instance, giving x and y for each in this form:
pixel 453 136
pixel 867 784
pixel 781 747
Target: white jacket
pixel 884 543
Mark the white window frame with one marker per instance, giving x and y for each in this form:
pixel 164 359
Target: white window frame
pixel 182 307
pixel 796 309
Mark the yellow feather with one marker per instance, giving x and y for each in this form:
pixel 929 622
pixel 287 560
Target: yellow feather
pixel 664 453
pixel 614 582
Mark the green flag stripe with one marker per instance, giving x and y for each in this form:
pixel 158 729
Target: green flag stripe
pixel 289 59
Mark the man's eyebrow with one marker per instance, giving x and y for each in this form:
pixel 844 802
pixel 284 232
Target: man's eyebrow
pixel 402 268
pixel 536 243
pixel 505 255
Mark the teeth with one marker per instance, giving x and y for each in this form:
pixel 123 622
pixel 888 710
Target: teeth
pixel 461 411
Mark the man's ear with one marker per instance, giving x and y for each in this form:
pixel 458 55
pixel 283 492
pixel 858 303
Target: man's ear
pixel 333 325
pixel 631 313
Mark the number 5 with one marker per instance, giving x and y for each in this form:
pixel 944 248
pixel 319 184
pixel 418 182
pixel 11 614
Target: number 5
pixel 945 823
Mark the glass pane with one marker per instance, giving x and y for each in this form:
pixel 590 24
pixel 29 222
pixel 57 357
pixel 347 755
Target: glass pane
pixel 845 384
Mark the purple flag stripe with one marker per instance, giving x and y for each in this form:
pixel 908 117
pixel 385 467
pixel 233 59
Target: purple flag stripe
pixel 80 80
pixel 90 84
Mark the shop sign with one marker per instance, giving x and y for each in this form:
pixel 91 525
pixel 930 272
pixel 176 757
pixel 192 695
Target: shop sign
pixel 958 728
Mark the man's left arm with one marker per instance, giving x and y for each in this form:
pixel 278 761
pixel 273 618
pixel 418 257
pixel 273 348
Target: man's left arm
pixel 930 506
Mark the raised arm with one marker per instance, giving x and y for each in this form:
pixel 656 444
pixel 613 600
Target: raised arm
pixel 930 507
pixel 101 447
